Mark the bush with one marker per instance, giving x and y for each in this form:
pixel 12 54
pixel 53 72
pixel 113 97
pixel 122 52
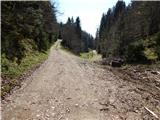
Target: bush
pixel 152 47
pixel 87 55
pixel 150 54
pixel 12 70
pixel 134 52
pixel 91 55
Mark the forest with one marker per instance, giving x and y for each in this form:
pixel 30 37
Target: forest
pixel 131 32
pixel 29 29
pixel 32 27
pixel 53 70
pixel 74 38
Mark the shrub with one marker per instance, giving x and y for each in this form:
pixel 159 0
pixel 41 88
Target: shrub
pixel 134 52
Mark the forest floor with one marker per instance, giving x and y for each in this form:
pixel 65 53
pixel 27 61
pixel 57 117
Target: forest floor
pixel 66 87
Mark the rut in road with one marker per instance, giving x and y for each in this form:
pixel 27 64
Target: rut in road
pixel 66 87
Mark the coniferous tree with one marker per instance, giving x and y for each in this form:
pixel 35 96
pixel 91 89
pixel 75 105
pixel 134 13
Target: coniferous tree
pixel 130 32
pixel 27 22
pixel 75 38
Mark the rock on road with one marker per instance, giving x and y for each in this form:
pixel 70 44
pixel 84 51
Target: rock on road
pixel 66 87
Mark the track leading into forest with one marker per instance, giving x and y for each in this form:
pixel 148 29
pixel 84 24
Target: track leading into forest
pixel 66 87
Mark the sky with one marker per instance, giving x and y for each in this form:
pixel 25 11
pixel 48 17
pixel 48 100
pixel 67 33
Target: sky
pixel 89 11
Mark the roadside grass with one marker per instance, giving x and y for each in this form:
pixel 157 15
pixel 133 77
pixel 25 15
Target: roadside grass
pixel 67 50
pixel 11 71
pixel 91 56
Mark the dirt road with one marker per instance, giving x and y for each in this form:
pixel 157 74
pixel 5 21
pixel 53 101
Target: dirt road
pixel 66 87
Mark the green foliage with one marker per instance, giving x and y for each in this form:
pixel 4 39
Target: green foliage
pixel 152 47
pixel 28 30
pixel 12 70
pixel 91 55
pixel 157 48
pixel 88 55
pixel 134 52
pixel 150 54
pixel 23 21
pixel 74 38
pixel 130 32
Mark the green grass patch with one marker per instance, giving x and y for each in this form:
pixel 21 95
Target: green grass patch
pixel 92 56
pixel 67 50
pixel 11 71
